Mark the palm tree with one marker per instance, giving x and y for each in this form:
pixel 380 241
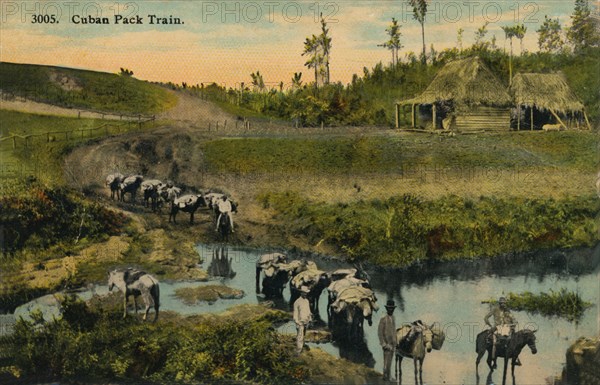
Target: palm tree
pixel 312 49
pixel 325 42
pixel 393 44
pixel 419 12
pixel 297 80
pixel 520 31
pixel 509 33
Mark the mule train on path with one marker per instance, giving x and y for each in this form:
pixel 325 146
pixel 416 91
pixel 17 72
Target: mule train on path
pixel 157 193
pixel 135 282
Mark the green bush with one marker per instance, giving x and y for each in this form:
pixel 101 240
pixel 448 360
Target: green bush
pixel 94 341
pixel 403 230
pixel 38 217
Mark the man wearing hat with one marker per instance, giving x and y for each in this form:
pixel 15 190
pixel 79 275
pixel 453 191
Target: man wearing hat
pixel 504 324
pixel 387 338
pixel 302 317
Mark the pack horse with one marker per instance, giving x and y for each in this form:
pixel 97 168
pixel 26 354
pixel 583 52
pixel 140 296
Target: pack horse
pixel 136 282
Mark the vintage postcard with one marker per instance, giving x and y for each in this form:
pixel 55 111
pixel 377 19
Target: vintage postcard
pixel 300 192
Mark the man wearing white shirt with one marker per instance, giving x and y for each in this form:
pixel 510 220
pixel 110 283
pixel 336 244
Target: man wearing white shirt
pixel 225 208
pixel 302 317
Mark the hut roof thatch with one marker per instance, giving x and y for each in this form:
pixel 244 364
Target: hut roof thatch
pixel 545 92
pixel 465 82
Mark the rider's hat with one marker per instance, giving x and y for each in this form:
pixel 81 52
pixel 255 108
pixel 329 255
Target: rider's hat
pixel 390 304
pixel 502 300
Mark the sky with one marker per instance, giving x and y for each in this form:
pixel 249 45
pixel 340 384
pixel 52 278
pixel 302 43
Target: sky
pixel 226 41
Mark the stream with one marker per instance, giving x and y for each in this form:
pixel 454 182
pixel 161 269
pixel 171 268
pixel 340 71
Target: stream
pixel 447 293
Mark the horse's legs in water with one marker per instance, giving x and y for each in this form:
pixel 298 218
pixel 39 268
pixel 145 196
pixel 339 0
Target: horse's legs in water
pixel 421 370
pixel 415 361
pixel 399 368
pixel 135 304
pixel 505 368
pixel 513 369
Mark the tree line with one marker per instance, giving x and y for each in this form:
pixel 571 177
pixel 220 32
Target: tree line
pixel 370 97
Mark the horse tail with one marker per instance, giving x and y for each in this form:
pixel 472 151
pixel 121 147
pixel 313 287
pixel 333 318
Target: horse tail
pixel 155 292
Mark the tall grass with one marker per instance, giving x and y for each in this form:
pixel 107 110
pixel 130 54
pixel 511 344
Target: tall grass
pixel 561 303
pixel 402 230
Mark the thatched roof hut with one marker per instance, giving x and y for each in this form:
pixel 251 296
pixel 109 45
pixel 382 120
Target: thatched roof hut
pixel 466 82
pixel 477 98
pixel 546 92
pixel 549 99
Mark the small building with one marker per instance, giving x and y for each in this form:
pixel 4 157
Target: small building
pixel 545 100
pixel 464 96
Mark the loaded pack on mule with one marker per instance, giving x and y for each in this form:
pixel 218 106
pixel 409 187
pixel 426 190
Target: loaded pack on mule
pixel 352 306
pixel 135 282
pixel 130 185
pixel 315 281
pixel 113 181
pixel 150 190
pixel 414 341
pixel 277 273
pixel 188 203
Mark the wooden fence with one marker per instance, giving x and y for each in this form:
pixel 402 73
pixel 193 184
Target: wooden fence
pixel 111 128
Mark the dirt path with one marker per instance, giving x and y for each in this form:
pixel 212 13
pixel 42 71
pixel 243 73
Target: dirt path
pixel 194 113
pixel 31 107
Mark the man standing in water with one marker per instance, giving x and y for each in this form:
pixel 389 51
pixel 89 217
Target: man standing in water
pixel 302 317
pixel 504 325
pixel 387 338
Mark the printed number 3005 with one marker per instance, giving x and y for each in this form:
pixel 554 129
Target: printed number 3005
pixel 44 19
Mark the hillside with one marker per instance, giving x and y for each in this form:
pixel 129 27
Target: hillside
pixel 69 87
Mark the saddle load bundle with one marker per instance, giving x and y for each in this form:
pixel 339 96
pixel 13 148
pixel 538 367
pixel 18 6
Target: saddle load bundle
pixel 355 295
pixel 308 278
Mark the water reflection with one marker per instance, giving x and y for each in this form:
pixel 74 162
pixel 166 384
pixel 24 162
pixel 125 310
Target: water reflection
pixel 220 263
pixel 356 351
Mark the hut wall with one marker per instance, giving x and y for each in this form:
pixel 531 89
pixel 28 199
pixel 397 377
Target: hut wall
pixel 483 118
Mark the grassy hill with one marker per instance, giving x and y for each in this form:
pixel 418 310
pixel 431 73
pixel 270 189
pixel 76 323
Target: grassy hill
pixel 84 89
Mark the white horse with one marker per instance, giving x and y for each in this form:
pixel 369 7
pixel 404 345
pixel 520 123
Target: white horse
pixel 135 282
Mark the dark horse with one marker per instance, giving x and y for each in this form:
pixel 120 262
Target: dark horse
pixel 509 348
pixel 186 203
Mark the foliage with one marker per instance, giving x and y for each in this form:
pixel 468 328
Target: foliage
pixel 84 89
pixel 549 35
pixel 38 217
pixel 94 341
pixel 393 44
pixel 583 33
pixel 405 229
pixel 561 303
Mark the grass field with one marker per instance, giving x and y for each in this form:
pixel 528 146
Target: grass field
pixel 85 89
pixel 44 158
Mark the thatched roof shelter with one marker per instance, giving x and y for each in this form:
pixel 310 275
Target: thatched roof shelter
pixel 466 82
pixel 546 92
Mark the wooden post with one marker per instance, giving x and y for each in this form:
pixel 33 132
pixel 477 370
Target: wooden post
pixel 434 117
pixel 397 115
pixel 14 142
pixel 559 120
pixel 586 120
pixel 531 118
pixel 412 116
pixel 519 117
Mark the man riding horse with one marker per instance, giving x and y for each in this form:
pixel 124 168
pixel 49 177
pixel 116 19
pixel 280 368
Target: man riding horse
pixel 225 208
pixel 503 328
